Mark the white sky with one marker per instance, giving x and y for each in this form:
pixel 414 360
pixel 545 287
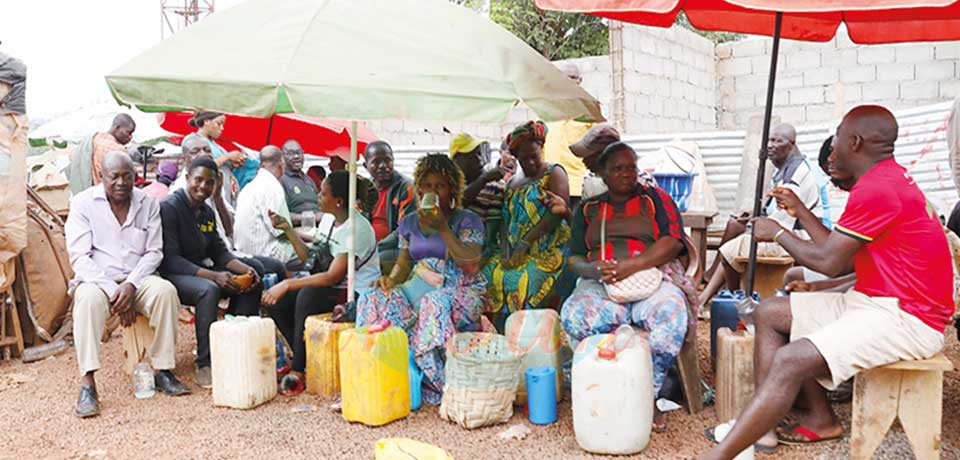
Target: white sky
pixel 69 45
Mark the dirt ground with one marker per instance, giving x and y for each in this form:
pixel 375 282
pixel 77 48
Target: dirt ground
pixel 37 401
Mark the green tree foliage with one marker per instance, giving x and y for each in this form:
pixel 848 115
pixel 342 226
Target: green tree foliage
pixel 716 37
pixel 555 35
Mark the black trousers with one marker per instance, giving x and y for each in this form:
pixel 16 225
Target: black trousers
pixel 291 312
pixel 205 295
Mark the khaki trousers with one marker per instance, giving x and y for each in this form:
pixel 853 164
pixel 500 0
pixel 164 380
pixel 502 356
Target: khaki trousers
pixel 156 299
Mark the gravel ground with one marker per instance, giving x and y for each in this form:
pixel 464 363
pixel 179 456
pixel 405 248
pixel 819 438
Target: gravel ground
pixel 37 400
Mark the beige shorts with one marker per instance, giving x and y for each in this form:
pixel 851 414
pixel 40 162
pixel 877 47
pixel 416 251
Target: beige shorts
pixel 740 247
pixel 855 332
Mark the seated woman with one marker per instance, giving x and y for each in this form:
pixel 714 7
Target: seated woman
pixel 435 289
pixel 643 230
pixel 532 238
pixel 291 301
pixel 198 263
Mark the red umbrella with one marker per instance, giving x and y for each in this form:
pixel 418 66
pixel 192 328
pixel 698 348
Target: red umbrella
pixel 867 21
pixel 317 136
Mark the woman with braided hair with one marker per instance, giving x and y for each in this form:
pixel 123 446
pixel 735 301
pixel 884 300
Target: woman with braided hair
pixel 532 238
pixel 435 289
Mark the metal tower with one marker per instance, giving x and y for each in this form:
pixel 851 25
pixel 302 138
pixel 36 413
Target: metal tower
pixel 177 14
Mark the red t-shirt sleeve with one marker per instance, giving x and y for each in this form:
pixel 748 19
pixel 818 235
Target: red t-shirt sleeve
pixel 871 208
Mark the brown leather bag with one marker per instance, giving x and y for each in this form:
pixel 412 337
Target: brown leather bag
pixel 46 270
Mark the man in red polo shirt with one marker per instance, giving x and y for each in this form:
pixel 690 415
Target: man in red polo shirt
pixel 897 310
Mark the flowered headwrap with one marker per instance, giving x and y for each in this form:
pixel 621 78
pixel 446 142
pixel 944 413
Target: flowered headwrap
pixel 529 131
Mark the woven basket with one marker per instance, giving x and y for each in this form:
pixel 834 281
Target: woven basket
pixel 481 380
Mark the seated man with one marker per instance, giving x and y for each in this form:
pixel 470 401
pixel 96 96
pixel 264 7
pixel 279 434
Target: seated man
pixel 897 310
pixel 199 264
pixel 395 200
pixel 792 172
pixel 192 147
pixel 299 188
pixel 115 241
pixel 255 233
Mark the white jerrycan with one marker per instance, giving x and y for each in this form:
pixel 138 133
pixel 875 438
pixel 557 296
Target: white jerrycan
pixel 612 387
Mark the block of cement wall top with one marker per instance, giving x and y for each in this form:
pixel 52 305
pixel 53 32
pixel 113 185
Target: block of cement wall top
pixel 875 55
pixel 895 72
pixel 948 50
pixel 935 70
pixel 918 90
pixel 881 91
pixel 911 53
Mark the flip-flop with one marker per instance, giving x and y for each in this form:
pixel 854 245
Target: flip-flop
pixel 798 429
pixel 756 446
pixel 291 385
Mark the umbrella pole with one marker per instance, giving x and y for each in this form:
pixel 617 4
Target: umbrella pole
pixel 351 241
pixel 269 130
pixel 767 115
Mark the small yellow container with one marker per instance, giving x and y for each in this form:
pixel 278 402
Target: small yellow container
pixel 323 354
pixel 374 375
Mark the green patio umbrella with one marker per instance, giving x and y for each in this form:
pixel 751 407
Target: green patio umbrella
pixel 353 60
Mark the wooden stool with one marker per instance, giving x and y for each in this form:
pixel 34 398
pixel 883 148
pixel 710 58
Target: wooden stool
pixel 769 275
pixel 912 390
pixel 11 337
pixel 136 342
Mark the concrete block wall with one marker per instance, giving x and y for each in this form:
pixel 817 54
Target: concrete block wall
pixel 596 81
pixel 669 80
pixel 818 82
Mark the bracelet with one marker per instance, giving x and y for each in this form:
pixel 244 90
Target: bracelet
pixel 778 235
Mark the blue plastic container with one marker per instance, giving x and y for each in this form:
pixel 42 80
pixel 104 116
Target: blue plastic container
pixel 416 379
pixel 678 185
pixel 723 313
pixel 541 395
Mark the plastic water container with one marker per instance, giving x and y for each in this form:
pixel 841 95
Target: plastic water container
pixel 322 338
pixel 374 374
pixel 243 358
pixel 678 185
pixel 144 385
pixel 541 395
pixel 723 313
pixel 537 336
pixel 416 379
pixel 612 392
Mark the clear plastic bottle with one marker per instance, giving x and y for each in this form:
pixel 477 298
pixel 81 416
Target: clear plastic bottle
pixel 308 219
pixel 143 383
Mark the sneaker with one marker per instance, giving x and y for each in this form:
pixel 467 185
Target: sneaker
pixel 203 376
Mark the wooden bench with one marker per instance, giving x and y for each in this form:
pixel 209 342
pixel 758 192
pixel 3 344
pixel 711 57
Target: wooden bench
pixel 910 390
pixel 769 274
pixel 137 339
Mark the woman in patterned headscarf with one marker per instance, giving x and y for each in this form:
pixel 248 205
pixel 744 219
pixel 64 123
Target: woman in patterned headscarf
pixel 532 238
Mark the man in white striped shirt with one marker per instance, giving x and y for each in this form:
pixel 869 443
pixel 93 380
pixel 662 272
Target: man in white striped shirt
pixel 253 230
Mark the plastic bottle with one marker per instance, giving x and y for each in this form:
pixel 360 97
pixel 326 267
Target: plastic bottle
pixel 541 395
pixel 416 380
pixel 143 383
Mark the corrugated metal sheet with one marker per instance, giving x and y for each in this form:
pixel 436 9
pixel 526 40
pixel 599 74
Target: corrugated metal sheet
pixel 921 148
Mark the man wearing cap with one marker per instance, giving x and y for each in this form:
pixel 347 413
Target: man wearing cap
pixel 485 190
pixel 560 135
pixel 588 149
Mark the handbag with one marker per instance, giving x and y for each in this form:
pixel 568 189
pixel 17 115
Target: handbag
pixel 635 287
pixel 320 256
